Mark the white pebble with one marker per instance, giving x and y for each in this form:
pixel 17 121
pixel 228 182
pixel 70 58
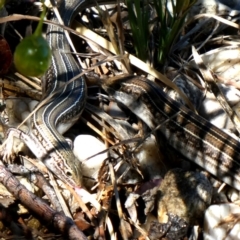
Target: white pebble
pixel 85 146
pixel 222 222
pixel 32 104
pixel 233 195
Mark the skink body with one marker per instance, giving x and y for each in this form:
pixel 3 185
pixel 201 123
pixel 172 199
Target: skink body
pixel 192 136
pixel 48 143
pixel 45 138
pixel 67 106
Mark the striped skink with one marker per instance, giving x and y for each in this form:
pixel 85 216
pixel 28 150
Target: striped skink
pixel 44 138
pixel 188 133
pixel 192 136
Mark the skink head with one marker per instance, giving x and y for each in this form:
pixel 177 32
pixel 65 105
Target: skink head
pixel 69 172
pixel 113 84
pixel 77 172
pixel 72 173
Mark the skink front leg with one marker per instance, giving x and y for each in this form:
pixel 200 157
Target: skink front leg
pixel 14 144
pixel 47 156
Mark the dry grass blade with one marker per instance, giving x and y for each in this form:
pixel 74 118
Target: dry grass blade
pixel 29 82
pixel 42 168
pixel 220 19
pixel 104 15
pixel 208 77
pixel 116 19
pixel 118 128
pixel 59 196
pixel 110 229
pixel 88 35
pixel 96 130
pixel 118 203
pixel 134 61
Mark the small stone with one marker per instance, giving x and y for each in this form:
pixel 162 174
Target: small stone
pixel 233 195
pixel 149 159
pixel 185 194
